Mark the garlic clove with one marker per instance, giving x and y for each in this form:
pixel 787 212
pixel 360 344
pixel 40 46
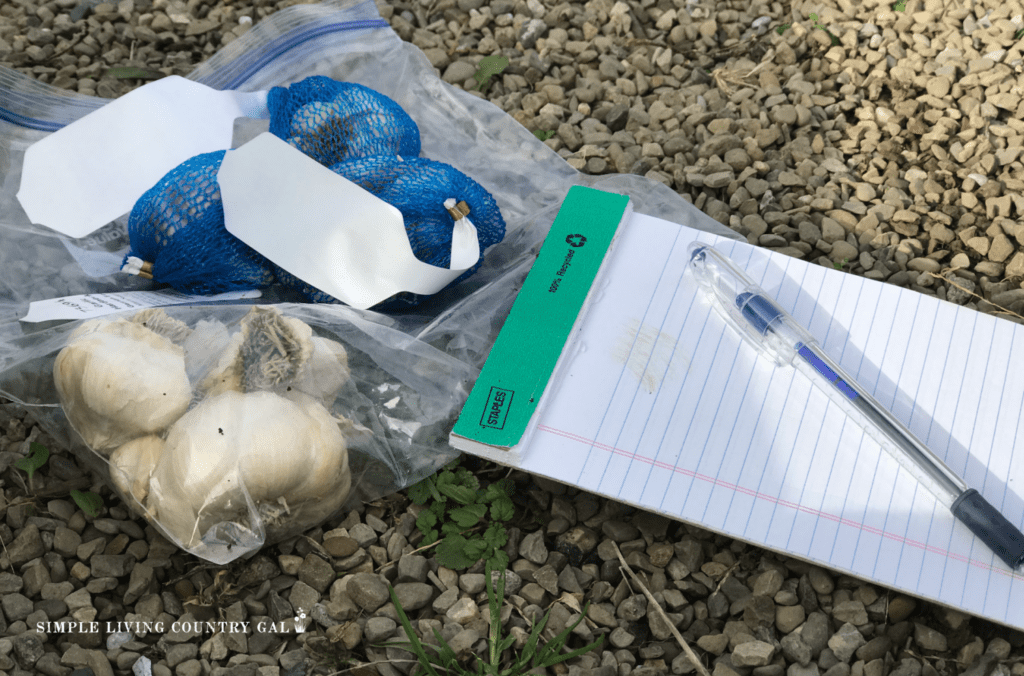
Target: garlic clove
pixel 326 371
pixel 131 466
pixel 117 381
pixel 227 374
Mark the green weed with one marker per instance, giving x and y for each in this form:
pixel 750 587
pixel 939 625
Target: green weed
pixel 531 657
pixel 543 135
pixel 488 67
pixel 87 501
pixel 457 511
pixel 840 266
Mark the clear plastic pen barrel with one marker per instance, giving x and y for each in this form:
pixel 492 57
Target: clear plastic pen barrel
pixel 746 307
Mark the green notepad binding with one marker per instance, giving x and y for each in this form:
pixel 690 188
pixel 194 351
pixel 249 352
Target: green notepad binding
pixel 544 318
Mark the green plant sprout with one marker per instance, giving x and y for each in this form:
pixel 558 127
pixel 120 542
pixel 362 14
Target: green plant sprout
pixel 530 658
pixel 488 67
pixel 458 509
pixel 89 502
pixel 839 266
pixel 38 455
pixel 813 17
pixel 543 135
pixel 900 6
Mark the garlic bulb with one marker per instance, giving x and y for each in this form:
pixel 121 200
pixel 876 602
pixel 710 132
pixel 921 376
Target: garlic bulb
pixel 278 450
pixel 118 380
pixel 272 350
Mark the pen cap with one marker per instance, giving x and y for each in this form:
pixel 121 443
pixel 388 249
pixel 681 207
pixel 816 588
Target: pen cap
pixel 745 306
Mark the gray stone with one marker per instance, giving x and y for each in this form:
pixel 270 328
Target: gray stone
pixel 457 73
pixel 27 648
pixel 815 632
pixel 16 606
pixel 412 595
pixel 111 565
pixel 27 546
pixel 850 611
pixel 928 639
pixel 532 548
pixel 752 654
pixel 845 642
pixel 379 629
pixel 10 583
pixel 795 649
pixel 317 573
pixel 412 568
pixel 301 595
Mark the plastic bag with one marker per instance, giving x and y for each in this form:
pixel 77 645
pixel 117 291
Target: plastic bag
pixel 411 369
pixel 220 425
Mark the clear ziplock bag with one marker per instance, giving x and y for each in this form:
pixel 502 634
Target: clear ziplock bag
pixel 412 369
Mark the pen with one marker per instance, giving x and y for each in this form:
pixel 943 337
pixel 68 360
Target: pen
pixel 770 329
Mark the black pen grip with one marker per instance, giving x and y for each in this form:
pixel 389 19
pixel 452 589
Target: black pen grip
pixel 987 523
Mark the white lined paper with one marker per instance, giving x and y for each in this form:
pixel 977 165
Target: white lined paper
pixel 729 442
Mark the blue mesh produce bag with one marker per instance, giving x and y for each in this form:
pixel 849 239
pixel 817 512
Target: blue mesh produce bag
pixel 418 187
pixel 334 121
pixel 178 227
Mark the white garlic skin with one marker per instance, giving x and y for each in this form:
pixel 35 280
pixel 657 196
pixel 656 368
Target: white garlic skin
pixel 257 443
pixel 118 380
pixel 132 464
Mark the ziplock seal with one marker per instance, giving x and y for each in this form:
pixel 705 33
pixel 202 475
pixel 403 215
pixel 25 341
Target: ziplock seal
pixel 232 69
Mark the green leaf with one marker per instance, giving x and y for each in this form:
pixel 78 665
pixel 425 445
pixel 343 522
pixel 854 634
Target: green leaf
pixel 495 535
pixel 475 548
pixel 39 455
pixel 437 509
pixel 1019 34
pixel 426 520
pixel 460 494
pixel 488 67
pixel 429 537
pixel 132 73
pixel 450 528
pixel 88 502
pixel 498 489
pixel 502 509
pixel 499 560
pixel 451 553
pixel 421 492
pixel 463 477
pixel 468 516
pixel 543 135
pixel 782 29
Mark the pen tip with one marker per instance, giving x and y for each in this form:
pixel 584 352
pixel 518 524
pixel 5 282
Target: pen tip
pixel 697 253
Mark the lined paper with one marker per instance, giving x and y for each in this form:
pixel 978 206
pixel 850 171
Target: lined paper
pixel 666 408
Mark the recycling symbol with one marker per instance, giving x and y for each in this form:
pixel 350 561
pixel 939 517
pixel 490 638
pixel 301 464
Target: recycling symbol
pixel 575 240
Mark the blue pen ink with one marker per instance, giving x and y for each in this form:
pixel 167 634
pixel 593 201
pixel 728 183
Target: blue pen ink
pixel 770 329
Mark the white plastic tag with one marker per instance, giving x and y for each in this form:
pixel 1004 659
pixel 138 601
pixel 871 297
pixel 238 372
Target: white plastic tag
pixel 325 229
pixel 89 305
pixel 92 171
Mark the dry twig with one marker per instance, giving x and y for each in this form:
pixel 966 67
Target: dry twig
pixel 675 632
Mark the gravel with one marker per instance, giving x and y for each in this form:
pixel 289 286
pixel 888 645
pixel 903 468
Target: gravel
pixel 895 154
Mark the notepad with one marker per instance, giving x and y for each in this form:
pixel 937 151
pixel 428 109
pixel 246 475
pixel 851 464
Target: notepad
pixel 664 407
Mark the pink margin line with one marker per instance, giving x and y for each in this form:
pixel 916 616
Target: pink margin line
pixel 774 499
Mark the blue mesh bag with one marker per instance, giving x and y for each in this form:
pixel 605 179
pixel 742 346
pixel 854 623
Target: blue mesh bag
pixel 177 227
pixel 334 121
pixel 417 187
pixel 177 231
